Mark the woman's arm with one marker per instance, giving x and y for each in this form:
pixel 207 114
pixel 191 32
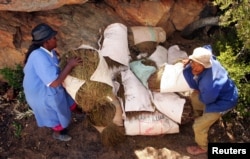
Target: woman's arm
pixel 70 65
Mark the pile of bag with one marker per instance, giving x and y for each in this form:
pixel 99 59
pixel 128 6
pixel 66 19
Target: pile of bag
pixel 128 86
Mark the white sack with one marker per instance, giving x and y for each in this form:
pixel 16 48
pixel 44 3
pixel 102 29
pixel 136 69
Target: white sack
pixel 175 54
pixel 102 73
pixel 154 123
pixel 72 85
pixel 172 79
pixel 159 56
pixel 147 33
pixel 170 104
pixel 115 44
pixel 137 97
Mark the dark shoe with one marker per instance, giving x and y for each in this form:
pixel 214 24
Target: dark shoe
pixel 77 110
pixel 78 114
pixel 61 137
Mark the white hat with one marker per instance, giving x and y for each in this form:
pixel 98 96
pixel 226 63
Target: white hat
pixel 202 56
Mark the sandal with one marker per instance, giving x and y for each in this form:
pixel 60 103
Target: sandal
pixel 195 150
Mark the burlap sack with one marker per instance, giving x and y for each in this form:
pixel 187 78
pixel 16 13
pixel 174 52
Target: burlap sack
pixel 154 81
pixel 137 97
pixel 91 93
pixel 97 99
pixel 159 56
pixel 115 43
pixel 169 78
pixel 175 54
pixel 147 33
pixel 150 123
pixel 144 39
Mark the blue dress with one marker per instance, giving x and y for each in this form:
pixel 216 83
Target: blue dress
pixel 51 106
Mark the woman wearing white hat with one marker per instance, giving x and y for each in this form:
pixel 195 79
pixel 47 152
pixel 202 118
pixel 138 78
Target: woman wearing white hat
pixel 214 93
pixel 43 82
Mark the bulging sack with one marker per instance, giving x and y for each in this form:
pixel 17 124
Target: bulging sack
pixel 148 33
pixel 90 93
pixel 115 43
pixel 159 56
pixel 175 54
pixel 137 97
pixel 149 124
pixel 144 40
pixel 173 79
pixel 168 78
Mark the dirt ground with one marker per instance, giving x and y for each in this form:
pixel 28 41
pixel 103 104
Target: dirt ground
pixel 22 139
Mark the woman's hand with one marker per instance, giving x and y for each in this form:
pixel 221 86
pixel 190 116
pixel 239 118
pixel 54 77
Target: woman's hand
pixel 74 61
pixel 70 65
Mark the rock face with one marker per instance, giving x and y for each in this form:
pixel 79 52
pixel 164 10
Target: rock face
pixel 35 5
pixel 80 21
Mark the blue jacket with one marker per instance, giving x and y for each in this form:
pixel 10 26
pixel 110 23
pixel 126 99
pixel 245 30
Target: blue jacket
pixel 217 91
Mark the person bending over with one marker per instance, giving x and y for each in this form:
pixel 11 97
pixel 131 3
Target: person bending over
pixel 214 93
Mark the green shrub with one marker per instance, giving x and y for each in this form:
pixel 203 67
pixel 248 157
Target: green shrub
pixel 239 70
pixel 14 77
pixel 237 14
pixel 233 47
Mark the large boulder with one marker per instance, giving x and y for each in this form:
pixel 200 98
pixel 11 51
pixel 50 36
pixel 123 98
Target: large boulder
pixel 80 21
pixel 35 5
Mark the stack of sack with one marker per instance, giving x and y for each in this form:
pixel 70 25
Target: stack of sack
pixel 121 86
pixel 150 91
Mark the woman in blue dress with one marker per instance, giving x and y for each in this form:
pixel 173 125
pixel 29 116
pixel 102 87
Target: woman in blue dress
pixel 43 82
